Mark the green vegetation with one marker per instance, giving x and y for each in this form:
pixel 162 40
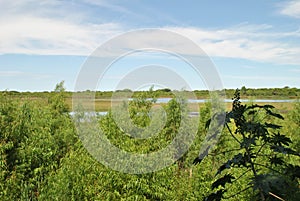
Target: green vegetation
pixel 267 93
pixel 258 155
pixel 103 102
pixel 42 158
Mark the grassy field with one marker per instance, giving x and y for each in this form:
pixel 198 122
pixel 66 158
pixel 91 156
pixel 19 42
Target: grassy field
pixel 105 104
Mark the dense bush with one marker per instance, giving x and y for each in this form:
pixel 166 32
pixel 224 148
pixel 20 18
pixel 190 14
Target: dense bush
pixel 41 157
pixel 259 155
pixel 34 139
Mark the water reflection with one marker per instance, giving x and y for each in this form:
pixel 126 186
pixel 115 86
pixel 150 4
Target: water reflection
pixel 191 114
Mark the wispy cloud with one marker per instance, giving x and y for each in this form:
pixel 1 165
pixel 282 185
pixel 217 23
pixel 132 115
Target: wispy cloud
pixel 47 28
pixel 35 35
pixel 44 29
pixel 256 43
pixel 291 8
pixel 109 5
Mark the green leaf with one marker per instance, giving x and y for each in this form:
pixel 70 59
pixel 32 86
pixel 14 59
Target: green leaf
pixel 276 160
pixel 280 140
pixel 238 160
pixel 284 150
pixel 222 181
pixel 268 106
pixel 293 170
pixel 273 126
pixel 201 156
pixel 207 123
pixel 247 142
pixel 254 106
pixel 217 196
pixel 225 166
pixel 269 183
pixel 269 112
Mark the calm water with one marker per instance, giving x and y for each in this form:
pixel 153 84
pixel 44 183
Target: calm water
pixel 166 100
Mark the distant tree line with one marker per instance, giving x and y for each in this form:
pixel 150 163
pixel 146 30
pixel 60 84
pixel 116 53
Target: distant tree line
pixel 278 93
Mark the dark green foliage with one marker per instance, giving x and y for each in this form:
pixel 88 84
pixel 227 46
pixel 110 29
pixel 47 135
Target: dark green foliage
pixel 222 181
pixel 261 155
pixel 269 93
pixel 33 140
pixel 217 196
pixel 41 157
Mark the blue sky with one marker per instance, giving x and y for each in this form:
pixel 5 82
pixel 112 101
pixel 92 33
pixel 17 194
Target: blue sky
pixel 252 43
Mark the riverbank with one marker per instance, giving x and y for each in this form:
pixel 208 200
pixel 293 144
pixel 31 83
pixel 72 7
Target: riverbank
pixel 281 98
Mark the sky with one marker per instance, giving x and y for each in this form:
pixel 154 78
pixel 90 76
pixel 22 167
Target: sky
pixel 251 43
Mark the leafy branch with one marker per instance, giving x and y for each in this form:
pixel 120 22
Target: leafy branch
pixel 253 128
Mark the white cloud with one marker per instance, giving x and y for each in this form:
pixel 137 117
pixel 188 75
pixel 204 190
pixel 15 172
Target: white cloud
pixel 250 42
pixel 109 5
pixel 49 28
pixel 42 28
pixel 36 35
pixel 291 8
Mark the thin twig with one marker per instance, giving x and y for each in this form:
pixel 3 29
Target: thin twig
pixel 254 173
pixel 243 174
pixel 267 167
pixel 259 150
pixel 232 134
pixel 237 193
pixel 276 196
